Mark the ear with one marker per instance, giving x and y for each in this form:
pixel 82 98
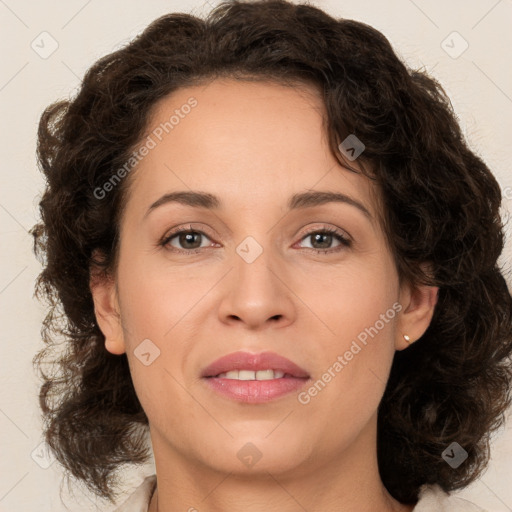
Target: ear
pixel 106 309
pixel 418 303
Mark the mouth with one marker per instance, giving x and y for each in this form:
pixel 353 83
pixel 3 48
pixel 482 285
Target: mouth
pixel 254 378
pixel 247 366
pixel 253 375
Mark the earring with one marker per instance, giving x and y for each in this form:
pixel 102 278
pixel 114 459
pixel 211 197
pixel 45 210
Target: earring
pixel 407 339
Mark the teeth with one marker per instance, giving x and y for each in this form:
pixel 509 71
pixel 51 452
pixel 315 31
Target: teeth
pixel 251 375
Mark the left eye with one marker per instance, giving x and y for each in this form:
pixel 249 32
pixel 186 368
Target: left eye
pixel 325 237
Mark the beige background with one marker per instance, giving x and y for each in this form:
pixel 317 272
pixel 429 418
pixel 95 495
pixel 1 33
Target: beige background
pixel 479 82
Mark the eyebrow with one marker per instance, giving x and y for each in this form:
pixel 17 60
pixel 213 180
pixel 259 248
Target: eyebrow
pixel 297 201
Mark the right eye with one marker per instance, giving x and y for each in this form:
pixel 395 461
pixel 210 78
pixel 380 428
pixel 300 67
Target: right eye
pixel 185 236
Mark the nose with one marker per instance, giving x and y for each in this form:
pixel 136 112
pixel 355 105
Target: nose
pixel 257 292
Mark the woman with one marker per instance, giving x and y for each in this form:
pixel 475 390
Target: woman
pixel 338 334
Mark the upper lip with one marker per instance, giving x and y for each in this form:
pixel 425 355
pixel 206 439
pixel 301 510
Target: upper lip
pixel 248 361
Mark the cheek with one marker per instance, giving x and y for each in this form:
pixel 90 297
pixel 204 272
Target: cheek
pixel 358 313
pixel 155 302
pixel 343 301
pixel 154 298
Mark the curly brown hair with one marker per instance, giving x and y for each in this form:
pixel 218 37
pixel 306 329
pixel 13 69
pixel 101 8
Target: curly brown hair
pixel 441 206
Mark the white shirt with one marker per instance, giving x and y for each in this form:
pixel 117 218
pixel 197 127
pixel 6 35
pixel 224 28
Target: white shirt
pixel 431 499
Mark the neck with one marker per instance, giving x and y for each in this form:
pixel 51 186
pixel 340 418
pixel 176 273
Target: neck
pixel 348 481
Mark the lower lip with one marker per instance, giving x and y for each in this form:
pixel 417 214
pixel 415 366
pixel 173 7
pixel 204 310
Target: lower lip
pixel 255 391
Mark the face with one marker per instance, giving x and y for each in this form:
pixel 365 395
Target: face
pixel 315 282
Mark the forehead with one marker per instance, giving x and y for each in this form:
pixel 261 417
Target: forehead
pixel 243 139
pixel 233 116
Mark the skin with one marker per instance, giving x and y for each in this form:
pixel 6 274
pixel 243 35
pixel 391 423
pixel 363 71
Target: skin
pixel 255 144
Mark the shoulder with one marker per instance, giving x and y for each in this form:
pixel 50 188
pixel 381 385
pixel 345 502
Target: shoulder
pixel 139 500
pixel 432 498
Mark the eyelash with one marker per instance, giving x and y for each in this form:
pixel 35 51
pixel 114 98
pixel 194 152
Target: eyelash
pixel 345 242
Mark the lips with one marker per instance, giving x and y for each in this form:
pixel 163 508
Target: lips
pixel 254 362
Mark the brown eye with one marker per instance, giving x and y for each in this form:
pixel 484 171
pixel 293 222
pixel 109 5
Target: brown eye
pixel 321 240
pixel 188 240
